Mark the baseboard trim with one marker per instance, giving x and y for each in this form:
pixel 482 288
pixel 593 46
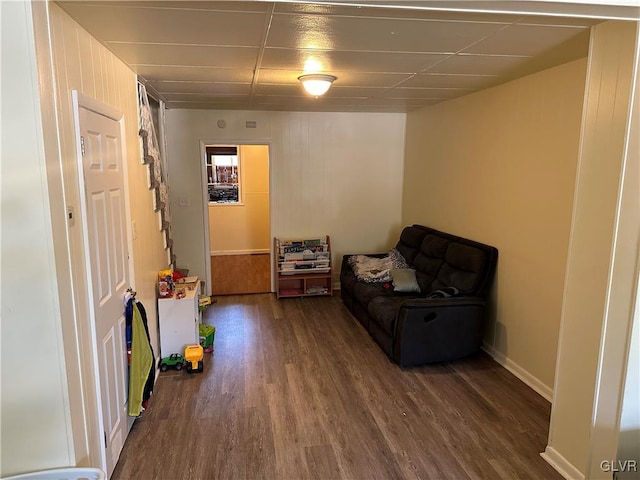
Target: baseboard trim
pixel 240 252
pixel 561 464
pixel 542 390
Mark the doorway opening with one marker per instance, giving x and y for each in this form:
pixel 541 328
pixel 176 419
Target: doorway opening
pixel 239 218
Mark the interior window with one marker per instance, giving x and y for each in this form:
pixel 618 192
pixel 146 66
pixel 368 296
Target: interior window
pixel 223 174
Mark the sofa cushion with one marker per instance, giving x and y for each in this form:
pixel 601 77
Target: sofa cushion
pixel 347 279
pixel 409 243
pixel 429 259
pixel 404 280
pixel 462 268
pixel 383 311
pixel 364 292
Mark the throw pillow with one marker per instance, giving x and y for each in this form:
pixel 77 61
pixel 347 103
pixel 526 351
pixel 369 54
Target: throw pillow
pixel 404 280
pixel 397 260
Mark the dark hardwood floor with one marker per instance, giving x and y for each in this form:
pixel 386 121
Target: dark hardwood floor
pixel 297 389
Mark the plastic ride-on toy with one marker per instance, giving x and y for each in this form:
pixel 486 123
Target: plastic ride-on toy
pixel 194 355
pixel 175 360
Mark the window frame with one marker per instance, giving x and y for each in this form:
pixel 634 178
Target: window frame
pixel 210 152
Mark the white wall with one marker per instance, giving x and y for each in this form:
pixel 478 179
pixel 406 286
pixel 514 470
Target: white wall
pixel 331 173
pixel 36 424
pixel 498 166
pixel 601 265
pixel 35 434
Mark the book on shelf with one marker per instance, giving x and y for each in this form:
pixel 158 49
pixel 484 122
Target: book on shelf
pixel 312 244
pixel 317 290
pixel 284 249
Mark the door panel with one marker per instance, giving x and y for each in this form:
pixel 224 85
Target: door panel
pixel 98 217
pixel 108 253
pixel 119 240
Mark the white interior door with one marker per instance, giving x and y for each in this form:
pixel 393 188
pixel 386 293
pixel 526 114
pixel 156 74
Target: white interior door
pixel 102 162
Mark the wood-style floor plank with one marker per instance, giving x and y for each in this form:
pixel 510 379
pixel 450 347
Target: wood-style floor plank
pixel 296 389
pixel 240 274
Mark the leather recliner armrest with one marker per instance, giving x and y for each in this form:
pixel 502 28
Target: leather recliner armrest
pixel 431 330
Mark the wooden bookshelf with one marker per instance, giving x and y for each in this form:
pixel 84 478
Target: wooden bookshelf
pixel 303 267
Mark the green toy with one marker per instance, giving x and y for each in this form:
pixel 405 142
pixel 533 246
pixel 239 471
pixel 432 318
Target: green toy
pixel 175 360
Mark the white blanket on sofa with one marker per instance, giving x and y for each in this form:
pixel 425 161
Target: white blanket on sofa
pixel 371 269
pixel 376 269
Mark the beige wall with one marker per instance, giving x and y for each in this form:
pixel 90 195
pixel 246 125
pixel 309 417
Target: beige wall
pixel 597 306
pixel 244 227
pixel 331 173
pixel 498 167
pixel 67 58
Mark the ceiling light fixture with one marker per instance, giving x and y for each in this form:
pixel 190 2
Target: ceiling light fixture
pixel 317 83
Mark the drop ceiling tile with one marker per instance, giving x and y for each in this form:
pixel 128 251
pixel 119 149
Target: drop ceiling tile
pixel 195 74
pixel 355 79
pixel 363 92
pixel 240 6
pixel 327 61
pixel 187 55
pixel 383 109
pixel 375 34
pixel 165 25
pixel 282 77
pixel 222 99
pixel 203 97
pixel 404 102
pixel 209 90
pixel 390 12
pixel 555 20
pixel 352 79
pixel 305 101
pixel 425 93
pixel 190 88
pixel 291 90
pixel 527 40
pixel 217 105
pixel 334 91
pixel 479 65
pixel 443 80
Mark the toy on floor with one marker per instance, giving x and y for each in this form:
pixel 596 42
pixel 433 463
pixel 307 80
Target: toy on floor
pixel 175 360
pixel 194 355
pixel 207 333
